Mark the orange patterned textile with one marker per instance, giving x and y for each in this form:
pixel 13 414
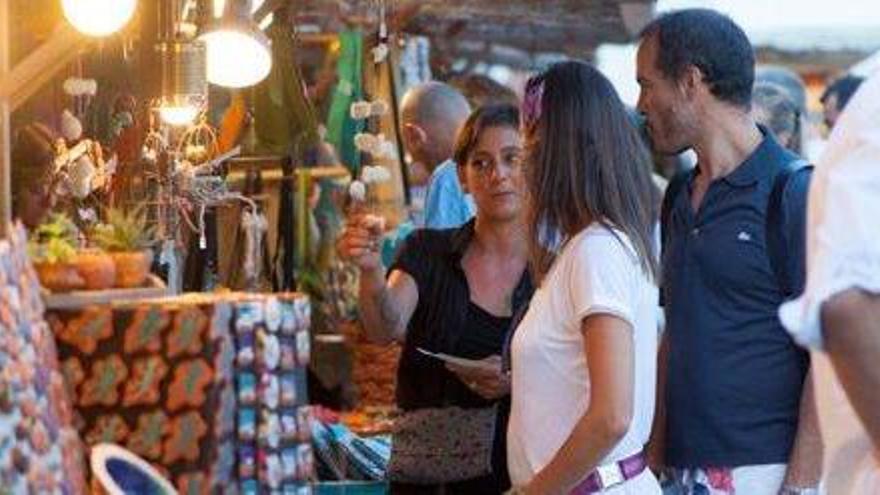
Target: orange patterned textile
pixel 40 451
pixel 210 389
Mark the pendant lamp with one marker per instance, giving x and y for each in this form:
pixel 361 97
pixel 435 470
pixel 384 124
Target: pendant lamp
pixel 98 17
pixel 184 89
pixel 220 6
pixel 239 54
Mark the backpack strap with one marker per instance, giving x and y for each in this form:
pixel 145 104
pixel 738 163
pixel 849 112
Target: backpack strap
pixel 774 228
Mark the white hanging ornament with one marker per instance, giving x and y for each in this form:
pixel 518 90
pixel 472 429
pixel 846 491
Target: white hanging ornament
pixel 90 87
pixel 81 174
pixel 365 109
pixel 379 108
pixel 71 127
pixel 357 190
pixel 76 86
pixel 386 149
pixel 380 53
pixel 365 142
pixel 360 110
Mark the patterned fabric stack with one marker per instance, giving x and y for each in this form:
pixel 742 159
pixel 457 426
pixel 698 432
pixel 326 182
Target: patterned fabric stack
pixel 274 427
pixel 40 451
pixel 198 386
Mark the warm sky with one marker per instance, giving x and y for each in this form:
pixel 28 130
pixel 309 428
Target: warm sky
pixel 761 19
pixel 763 14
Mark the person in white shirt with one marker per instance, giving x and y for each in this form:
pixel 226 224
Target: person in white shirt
pixel 838 315
pixel 584 355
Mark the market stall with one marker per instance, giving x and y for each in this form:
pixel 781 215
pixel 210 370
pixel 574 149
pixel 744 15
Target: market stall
pixel 173 175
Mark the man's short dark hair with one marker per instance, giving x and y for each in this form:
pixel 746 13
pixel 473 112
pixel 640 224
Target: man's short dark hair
pixel 844 88
pixel 711 42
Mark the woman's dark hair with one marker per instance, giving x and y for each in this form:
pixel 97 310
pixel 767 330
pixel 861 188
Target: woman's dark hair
pixel 781 114
pixel 585 163
pixel 33 155
pixel 711 42
pixel 844 88
pixel 500 115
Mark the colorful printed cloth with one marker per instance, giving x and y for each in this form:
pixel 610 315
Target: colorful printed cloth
pixel 746 480
pixel 40 451
pixel 205 388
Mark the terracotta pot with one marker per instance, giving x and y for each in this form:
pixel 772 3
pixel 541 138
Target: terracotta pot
pixel 132 268
pixel 97 268
pixel 59 277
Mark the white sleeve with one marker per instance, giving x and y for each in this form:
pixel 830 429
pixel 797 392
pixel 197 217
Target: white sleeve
pixel 603 277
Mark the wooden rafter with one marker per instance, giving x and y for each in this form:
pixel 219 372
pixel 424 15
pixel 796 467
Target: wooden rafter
pixel 21 82
pixel 40 66
pixel 5 141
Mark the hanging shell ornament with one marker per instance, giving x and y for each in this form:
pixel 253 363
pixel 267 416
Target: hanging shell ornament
pixel 71 127
pixel 358 191
pixel 75 86
pixel 81 174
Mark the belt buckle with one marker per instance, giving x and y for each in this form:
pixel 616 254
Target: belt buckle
pixel 610 475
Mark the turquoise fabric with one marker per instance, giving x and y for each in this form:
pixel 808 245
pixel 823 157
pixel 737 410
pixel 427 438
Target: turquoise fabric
pixel 392 241
pixel 446 204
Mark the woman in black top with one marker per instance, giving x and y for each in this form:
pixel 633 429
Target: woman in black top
pixel 454 291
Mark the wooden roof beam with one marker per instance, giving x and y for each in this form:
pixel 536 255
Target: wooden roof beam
pixel 20 83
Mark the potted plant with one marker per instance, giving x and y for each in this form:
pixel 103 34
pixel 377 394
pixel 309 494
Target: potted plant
pixel 53 251
pixel 96 267
pixel 127 238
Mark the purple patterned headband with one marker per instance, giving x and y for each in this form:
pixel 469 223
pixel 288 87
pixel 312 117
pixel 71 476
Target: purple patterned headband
pixel 531 106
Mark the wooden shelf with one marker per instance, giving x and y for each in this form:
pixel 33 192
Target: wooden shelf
pixel 270 175
pixel 79 299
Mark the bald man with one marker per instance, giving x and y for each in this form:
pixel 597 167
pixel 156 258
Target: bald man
pixel 431 114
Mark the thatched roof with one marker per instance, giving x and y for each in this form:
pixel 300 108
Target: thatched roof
pixel 508 31
pixel 568 26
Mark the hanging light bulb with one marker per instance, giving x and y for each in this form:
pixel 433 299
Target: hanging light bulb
pixel 98 17
pixel 184 87
pixel 239 54
pixel 179 116
pixel 220 6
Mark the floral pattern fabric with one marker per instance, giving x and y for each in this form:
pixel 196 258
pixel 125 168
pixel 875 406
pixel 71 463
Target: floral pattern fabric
pixel 208 389
pixel 745 480
pixel 40 451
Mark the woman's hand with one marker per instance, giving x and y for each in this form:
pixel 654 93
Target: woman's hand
pixel 489 381
pixel 360 240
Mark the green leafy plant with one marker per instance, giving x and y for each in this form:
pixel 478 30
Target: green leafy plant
pixel 54 241
pixel 124 231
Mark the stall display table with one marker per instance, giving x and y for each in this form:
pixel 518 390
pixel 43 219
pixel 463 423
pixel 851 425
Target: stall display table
pixel 210 389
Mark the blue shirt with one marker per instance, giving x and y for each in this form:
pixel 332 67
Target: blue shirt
pixel 446 204
pixel 734 376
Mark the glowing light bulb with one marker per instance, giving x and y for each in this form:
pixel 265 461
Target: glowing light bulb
pixel 98 17
pixel 220 6
pixel 179 116
pixel 236 59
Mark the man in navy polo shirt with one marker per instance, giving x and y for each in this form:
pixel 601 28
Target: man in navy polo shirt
pixel 737 414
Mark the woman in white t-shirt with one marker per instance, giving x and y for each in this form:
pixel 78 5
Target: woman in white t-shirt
pixel 584 355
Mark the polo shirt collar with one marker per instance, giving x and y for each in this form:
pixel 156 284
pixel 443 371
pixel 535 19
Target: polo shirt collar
pixel 755 166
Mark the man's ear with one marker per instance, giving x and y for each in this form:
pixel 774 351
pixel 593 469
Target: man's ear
pixel 415 136
pixel 692 81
